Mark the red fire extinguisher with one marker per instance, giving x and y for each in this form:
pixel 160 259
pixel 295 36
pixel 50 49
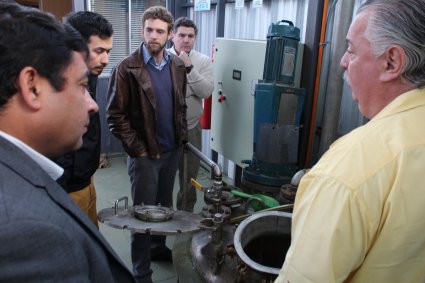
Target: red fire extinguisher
pixel 206 115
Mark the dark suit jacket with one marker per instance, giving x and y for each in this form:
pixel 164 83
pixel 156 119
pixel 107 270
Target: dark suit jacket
pixel 44 237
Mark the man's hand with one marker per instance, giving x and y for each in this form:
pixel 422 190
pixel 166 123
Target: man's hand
pixel 185 57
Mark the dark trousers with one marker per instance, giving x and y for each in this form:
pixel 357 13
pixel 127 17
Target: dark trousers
pixel 152 182
pixel 195 138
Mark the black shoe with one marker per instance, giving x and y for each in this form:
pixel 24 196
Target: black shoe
pixel 161 254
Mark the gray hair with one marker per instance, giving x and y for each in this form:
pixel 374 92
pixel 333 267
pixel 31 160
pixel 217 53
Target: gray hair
pixel 402 23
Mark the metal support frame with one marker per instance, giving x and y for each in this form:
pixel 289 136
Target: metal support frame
pixel 177 8
pixel 308 76
pixel 220 17
pixel 334 82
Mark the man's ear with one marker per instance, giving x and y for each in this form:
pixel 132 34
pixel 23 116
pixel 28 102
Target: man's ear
pixel 29 86
pixel 394 62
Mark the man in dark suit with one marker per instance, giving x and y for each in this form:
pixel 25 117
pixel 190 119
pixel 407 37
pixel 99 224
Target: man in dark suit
pixel 44 111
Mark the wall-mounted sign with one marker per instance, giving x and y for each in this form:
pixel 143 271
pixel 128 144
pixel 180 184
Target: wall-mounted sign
pixel 257 3
pixel 239 4
pixel 202 5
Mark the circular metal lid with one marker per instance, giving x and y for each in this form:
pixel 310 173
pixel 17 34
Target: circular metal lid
pixel 153 213
pixel 120 218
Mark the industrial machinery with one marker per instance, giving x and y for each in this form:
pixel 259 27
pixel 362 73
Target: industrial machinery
pixel 227 242
pixel 277 114
pixel 237 239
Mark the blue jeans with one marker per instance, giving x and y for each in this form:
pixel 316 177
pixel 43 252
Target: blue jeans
pixel 152 182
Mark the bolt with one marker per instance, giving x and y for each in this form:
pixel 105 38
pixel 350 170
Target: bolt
pixel 218 218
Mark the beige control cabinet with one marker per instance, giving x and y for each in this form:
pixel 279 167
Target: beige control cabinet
pixel 238 65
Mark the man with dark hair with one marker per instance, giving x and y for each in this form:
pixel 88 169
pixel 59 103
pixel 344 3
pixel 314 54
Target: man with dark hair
pixel 147 112
pixel 200 85
pixel 80 165
pixel 359 212
pixel 44 111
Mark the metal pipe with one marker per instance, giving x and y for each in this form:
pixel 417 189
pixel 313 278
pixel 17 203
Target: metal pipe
pixel 343 18
pixel 216 169
pixel 240 218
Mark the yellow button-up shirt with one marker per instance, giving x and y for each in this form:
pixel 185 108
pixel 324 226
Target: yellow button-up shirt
pixel 359 214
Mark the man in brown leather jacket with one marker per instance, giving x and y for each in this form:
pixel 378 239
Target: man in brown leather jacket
pixel 147 112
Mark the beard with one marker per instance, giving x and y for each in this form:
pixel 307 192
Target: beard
pixel 155 49
pixel 97 70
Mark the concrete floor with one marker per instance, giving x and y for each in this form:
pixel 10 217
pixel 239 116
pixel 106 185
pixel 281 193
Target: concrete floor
pixel 113 183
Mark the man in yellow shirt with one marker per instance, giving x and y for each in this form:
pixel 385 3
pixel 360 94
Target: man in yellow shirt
pixel 359 213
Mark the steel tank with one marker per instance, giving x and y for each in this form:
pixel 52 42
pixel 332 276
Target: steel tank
pixel 261 242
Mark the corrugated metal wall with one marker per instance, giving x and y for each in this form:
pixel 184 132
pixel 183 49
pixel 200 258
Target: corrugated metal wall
pixel 116 12
pixel 253 23
pixel 248 23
